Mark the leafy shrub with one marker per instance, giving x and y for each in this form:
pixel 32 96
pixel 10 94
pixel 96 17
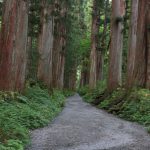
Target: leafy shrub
pixel 133 105
pixel 68 93
pixel 89 95
pixel 20 113
pixel 13 145
pixel 100 88
pixel 83 90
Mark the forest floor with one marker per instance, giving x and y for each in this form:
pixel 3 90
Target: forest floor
pixel 81 126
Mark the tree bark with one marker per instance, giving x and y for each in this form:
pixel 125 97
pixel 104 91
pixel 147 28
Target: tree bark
pixel 100 62
pixel 45 45
pixel 85 72
pixel 94 44
pixel 115 52
pixel 13 43
pixel 29 49
pixel 72 79
pixel 148 45
pixel 59 45
pixel 136 67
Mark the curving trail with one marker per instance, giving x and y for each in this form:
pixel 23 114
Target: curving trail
pixel 83 127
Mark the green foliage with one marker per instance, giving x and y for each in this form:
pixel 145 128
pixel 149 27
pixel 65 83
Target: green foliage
pixel 85 45
pixel 132 105
pixel 12 145
pixel 90 95
pixel 137 107
pixel 76 33
pixel 113 99
pixel 68 93
pixel 100 88
pixel 86 93
pixel 19 113
pixel 83 90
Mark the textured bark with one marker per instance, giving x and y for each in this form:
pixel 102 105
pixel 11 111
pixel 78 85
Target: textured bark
pixel 58 63
pixel 100 55
pixel 148 45
pixel 45 45
pixel 59 45
pixel 70 75
pixel 70 82
pixel 136 71
pixel 13 44
pixel 94 44
pixel 85 73
pixel 115 52
pixel 84 78
pixel 29 49
pixel 99 69
pixel 105 25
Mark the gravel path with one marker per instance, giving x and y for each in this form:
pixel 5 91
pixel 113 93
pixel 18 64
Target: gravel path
pixel 83 127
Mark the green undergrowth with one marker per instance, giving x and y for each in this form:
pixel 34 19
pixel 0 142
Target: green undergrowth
pixel 89 95
pixel 21 113
pixel 68 93
pixel 132 105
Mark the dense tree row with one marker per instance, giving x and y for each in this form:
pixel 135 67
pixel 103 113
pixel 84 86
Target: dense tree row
pixel 35 36
pixel 121 27
pixel 58 41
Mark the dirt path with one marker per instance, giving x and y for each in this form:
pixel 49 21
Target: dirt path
pixel 83 127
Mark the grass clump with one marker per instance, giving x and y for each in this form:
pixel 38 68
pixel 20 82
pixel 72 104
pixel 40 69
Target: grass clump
pixel 21 113
pixel 68 93
pixel 90 95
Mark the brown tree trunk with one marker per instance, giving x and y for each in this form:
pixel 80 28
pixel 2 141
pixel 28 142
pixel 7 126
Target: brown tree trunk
pixel 29 48
pixel 99 69
pixel 59 45
pixel 85 72
pixel 84 78
pixel 70 77
pixel 115 52
pixel 103 38
pixel 136 67
pixel 148 45
pixel 72 80
pixel 45 44
pixel 13 44
pixel 94 44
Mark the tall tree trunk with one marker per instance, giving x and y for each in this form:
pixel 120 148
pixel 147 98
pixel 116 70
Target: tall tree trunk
pixel 94 43
pixel 100 62
pixel 72 79
pixel 105 25
pixel 59 45
pixel 13 44
pixel 115 52
pixel 29 44
pixel 29 49
pixel 45 44
pixel 148 45
pixel 136 67
pixel 85 72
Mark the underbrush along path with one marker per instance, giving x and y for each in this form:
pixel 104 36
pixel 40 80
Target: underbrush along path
pixel 81 126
